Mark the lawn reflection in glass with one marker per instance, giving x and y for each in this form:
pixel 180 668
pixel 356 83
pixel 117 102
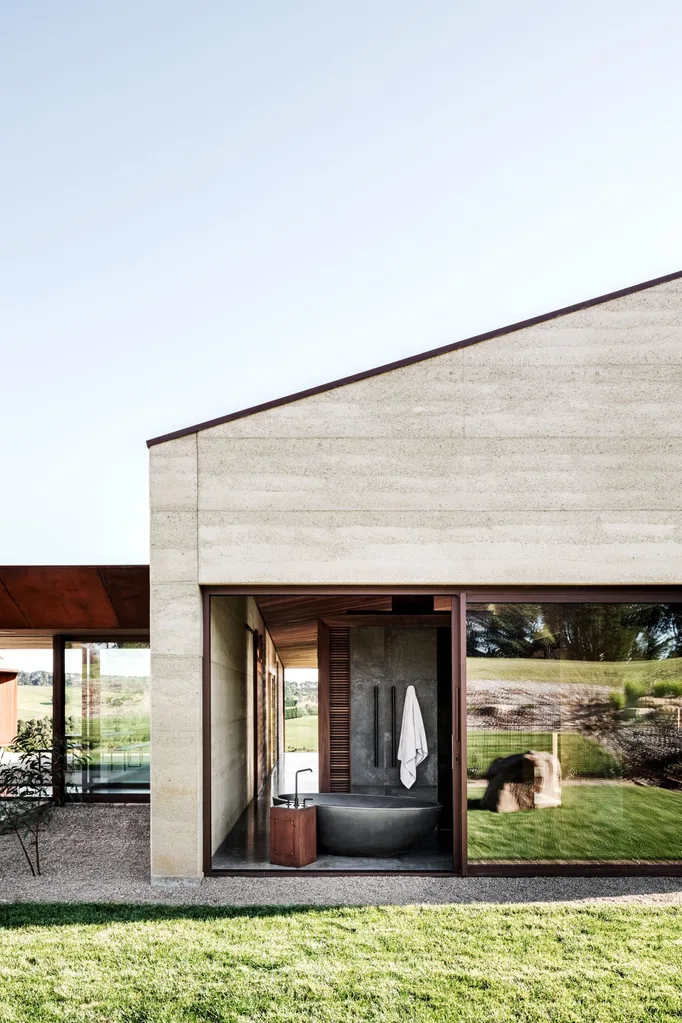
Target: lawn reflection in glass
pixel 597 690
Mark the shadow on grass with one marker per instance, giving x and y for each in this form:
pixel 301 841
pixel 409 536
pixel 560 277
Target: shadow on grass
pixel 483 894
pixel 64 914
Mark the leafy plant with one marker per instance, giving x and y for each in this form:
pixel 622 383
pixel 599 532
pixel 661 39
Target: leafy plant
pixel 34 734
pixel 27 798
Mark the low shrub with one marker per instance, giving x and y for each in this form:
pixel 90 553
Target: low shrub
pixel 667 688
pixel 634 691
pixel 617 700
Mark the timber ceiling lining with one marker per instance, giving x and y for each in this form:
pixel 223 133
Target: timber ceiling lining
pixel 70 597
pixel 292 621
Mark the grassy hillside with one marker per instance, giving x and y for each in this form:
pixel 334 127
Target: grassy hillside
pixel 36 702
pixel 603 673
pixel 120 724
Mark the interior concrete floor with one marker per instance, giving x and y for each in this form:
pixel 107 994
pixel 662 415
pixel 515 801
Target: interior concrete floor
pixel 247 847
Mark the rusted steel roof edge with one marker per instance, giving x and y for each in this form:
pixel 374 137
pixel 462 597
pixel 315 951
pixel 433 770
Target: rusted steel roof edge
pixel 410 360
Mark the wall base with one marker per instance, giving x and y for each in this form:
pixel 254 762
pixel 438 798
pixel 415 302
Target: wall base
pixel 162 881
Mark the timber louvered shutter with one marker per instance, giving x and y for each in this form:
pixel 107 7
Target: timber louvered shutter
pixel 339 710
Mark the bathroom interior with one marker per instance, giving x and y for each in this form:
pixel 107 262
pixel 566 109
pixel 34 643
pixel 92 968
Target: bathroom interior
pixel 380 775
pixel 572 727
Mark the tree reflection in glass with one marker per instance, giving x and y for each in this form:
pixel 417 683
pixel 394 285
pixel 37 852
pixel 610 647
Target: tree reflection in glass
pixel 574 738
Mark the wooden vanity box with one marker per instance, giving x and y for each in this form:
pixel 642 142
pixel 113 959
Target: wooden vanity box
pixel 293 836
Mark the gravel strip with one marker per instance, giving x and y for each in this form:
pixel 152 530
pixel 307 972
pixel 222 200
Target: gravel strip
pixel 100 853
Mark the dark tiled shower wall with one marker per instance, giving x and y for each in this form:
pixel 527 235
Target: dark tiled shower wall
pixel 391 657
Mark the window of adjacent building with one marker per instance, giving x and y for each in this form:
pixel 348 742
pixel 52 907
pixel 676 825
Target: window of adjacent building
pixel 107 710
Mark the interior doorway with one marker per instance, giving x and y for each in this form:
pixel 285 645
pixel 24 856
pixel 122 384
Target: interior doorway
pixel 301 730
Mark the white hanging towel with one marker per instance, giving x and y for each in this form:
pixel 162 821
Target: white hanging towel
pixel 412 748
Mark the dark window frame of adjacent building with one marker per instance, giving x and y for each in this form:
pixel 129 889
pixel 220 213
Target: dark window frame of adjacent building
pixel 59 642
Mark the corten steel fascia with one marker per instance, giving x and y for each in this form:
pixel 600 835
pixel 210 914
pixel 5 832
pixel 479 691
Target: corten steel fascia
pixel 96 569
pixel 532 592
pixel 598 594
pixel 324 589
pixel 412 359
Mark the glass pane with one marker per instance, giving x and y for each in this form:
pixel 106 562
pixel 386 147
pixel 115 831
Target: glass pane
pixel 574 732
pixel 26 698
pixel 107 716
pixel 25 692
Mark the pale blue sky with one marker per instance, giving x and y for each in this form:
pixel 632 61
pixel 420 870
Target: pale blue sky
pixel 209 204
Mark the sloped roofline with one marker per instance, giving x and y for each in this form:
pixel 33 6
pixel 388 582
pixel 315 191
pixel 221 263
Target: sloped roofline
pixel 411 359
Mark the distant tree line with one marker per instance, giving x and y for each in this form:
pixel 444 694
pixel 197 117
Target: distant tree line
pixel 137 683
pixel 300 698
pixel 44 678
pixel 587 632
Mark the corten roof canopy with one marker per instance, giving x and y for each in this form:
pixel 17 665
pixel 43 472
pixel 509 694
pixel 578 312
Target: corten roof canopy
pixel 432 353
pixel 70 597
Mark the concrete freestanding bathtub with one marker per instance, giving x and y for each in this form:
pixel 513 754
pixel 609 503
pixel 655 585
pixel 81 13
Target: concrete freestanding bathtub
pixel 350 824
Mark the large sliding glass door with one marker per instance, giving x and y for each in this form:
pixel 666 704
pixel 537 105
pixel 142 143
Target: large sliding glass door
pixel 107 718
pixel 553 719
pixel 574 733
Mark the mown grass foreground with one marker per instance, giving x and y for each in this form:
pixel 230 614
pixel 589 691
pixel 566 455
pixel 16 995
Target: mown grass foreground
pixel 455 963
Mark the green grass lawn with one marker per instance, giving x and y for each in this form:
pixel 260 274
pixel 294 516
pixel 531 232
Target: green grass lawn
pixel 301 734
pixel 580 757
pixel 595 822
pixel 118 725
pixel 603 673
pixel 34 702
pixel 460 964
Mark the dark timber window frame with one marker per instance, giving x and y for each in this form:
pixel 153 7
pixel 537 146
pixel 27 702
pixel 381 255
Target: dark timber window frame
pixel 460 595
pixel 59 642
